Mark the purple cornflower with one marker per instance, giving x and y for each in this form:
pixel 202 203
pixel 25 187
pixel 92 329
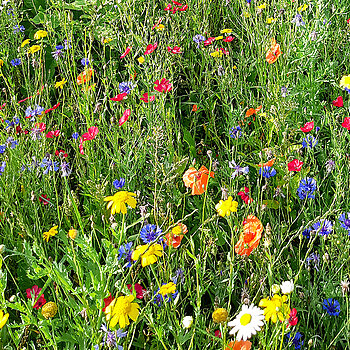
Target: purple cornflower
pixel 332 306
pixel 238 170
pixel 295 340
pixel 179 276
pixel 298 20
pixel 198 39
pixel 267 172
pixel 345 221
pixel 65 168
pixel 323 229
pixel 119 183
pixel 150 233
pixel 58 53
pixel 110 338
pixel 16 62
pixel 306 188
pixel 35 133
pixel 313 259
pixel 66 44
pixel 12 142
pixel 125 252
pixel 330 165
pixel 126 87
pixel 236 132
pixel 309 141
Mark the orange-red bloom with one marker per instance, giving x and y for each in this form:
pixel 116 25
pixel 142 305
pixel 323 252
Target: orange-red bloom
pixel 239 345
pixel 252 111
pixel 85 76
pixel 250 237
pixel 197 180
pixel 269 163
pixel 273 52
pixel 174 237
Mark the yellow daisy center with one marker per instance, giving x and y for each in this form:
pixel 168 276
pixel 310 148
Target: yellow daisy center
pixel 124 307
pixel 245 319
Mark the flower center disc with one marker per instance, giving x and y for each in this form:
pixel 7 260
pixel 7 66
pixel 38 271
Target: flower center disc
pixel 245 319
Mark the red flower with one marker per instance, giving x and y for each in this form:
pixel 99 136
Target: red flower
pixel 183 8
pixel 217 333
pixel 194 108
pixel 245 196
pixel 145 98
pixel 107 301
pixel 176 3
pixel 119 97
pixel 228 39
pixel 150 48
pixel 52 108
pixel 224 51
pixel 44 199
pixel 348 20
pixel 125 117
pixel 52 134
pixel 2 106
pixel 163 85
pixel 128 49
pixel 175 49
pixel 61 154
pixel 168 8
pixel 138 289
pixel 293 319
pixel 209 41
pixel 33 293
pixel 19 130
pixel 295 165
pixel 307 127
pixel 91 134
pixel 346 123
pixel 338 102
pixel 40 126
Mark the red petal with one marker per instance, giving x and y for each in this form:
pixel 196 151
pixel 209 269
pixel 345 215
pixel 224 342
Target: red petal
pixel 125 117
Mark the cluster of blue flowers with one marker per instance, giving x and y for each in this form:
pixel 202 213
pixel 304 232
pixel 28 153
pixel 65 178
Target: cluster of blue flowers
pixel 10 143
pixel 125 252
pixel 307 187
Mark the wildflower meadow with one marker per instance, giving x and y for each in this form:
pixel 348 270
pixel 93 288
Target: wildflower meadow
pixel 174 174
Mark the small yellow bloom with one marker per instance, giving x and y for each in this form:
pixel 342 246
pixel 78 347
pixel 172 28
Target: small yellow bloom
pixel 302 8
pixel 275 308
pixel 60 84
pixel 34 48
pixel 234 67
pixel 220 315
pixel 3 318
pixel 169 288
pixel 72 233
pixel 1 62
pixel 25 42
pixel 118 200
pixel 225 208
pixel 160 27
pixel 261 7
pixel 246 14
pixel 226 31
pixel 40 34
pixel 270 20
pixel 106 41
pixel 141 60
pixel 216 53
pixel 345 82
pixel 219 37
pixel 49 310
pixel 52 232
pixel 149 254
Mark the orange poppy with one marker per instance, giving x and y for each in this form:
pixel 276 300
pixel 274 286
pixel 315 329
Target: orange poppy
pixel 239 345
pixel 85 76
pixel 252 111
pixel 273 52
pixel 194 108
pixel 269 163
pixel 250 237
pixel 174 237
pixel 197 179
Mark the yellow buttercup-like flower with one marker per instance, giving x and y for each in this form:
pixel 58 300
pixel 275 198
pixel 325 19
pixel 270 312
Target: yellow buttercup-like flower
pixel 262 6
pixel 60 84
pixel 52 232
pixel 345 82
pixel 216 53
pixel 1 62
pixel 225 208
pixel 226 31
pixel 302 8
pixel 141 60
pixel 106 41
pixel 40 34
pixel 119 311
pixel 34 48
pixel 169 288
pixel 149 254
pixel 220 315
pixel 275 308
pixel 72 233
pixel 3 318
pixel 25 42
pixel 118 200
pixel 270 20
pixel 219 37
pixel 49 310
pixel 160 27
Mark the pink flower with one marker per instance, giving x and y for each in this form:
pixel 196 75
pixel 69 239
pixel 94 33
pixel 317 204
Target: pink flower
pixel 307 127
pixel 338 102
pixel 52 134
pixel 295 165
pixel 150 48
pixel 145 98
pixel 228 39
pixel 245 196
pixel 34 293
pixel 125 117
pixel 40 126
pixel 293 319
pixel 175 49
pixel 163 85
pixel 346 123
pixel 138 289
pixel 128 49
pixel 91 134
pixel 168 8
pixel 119 97
pixel 209 41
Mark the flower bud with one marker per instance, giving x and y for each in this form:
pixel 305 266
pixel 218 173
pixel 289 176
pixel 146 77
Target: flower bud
pixel 187 321
pixel 275 288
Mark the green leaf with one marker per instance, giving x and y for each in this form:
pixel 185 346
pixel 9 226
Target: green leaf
pixel 271 203
pixel 191 143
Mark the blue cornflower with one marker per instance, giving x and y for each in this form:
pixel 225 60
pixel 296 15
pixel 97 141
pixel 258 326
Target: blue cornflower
pixel 295 340
pixel 238 170
pixel 198 39
pixel 150 233
pixel 29 112
pixel 75 135
pixel 2 167
pixel 59 47
pixel 2 148
pixel 49 164
pixel 110 338
pixel 249 2
pixel 332 306
pixel 179 276
pixel 38 110
pixel 306 233
pixel 12 142
pixel 298 20
pixel 306 188
pixel 323 229
pixel 13 123
pixel 85 62
pixel 343 218
pixel 119 183
pixel 160 299
pixel 314 259
pixel 66 44
pixel 17 29
pixel 236 132
pixel 267 172
pixel 65 168
pixel 125 252
pixel 309 141
pixel 126 87
pixel 57 54
pixel 16 62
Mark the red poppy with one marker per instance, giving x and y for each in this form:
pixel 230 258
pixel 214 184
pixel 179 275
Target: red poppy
pixel 52 134
pixel 338 102
pixel 197 180
pixel 40 126
pixel 128 49
pixel 228 39
pixel 145 98
pixel 163 85
pixel 217 333
pixel 52 108
pixel 346 123
pixel 44 199
pixel 150 48
pixel 2 106
pixel 245 196
pixel 125 117
pixel 209 41
pixel 119 97
pixel 107 301
pixel 175 49
pixel 295 165
pixel 85 76
pixel 168 8
pixel 176 3
pixel 194 108
pixel 61 154
pixel 225 52
pixel 19 130
pixel 91 134
pixel 183 8
pixel 307 127
pixel 293 319
pixel 348 20
pixel 34 293
pixel 138 289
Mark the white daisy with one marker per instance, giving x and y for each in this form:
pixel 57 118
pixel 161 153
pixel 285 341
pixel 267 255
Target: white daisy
pixel 248 322
pixel 287 287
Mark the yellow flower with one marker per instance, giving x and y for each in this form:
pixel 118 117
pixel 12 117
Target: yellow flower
pixel 3 318
pixel 119 311
pixel 216 53
pixel 345 82
pixel 234 67
pixel 261 7
pixel 149 254
pixel 106 41
pixel 275 308
pixel 226 31
pixel 49 310
pixel 302 8
pixel 118 200
pixel 1 62
pixel 169 288
pixel 220 315
pixel 160 27
pixel 246 14
pixel 60 84
pixel 270 20
pixel 25 42
pixel 219 37
pixel 72 233
pixel 225 208
pixel 141 60
pixel 52 232
pixel 34 48
pixel 40 34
